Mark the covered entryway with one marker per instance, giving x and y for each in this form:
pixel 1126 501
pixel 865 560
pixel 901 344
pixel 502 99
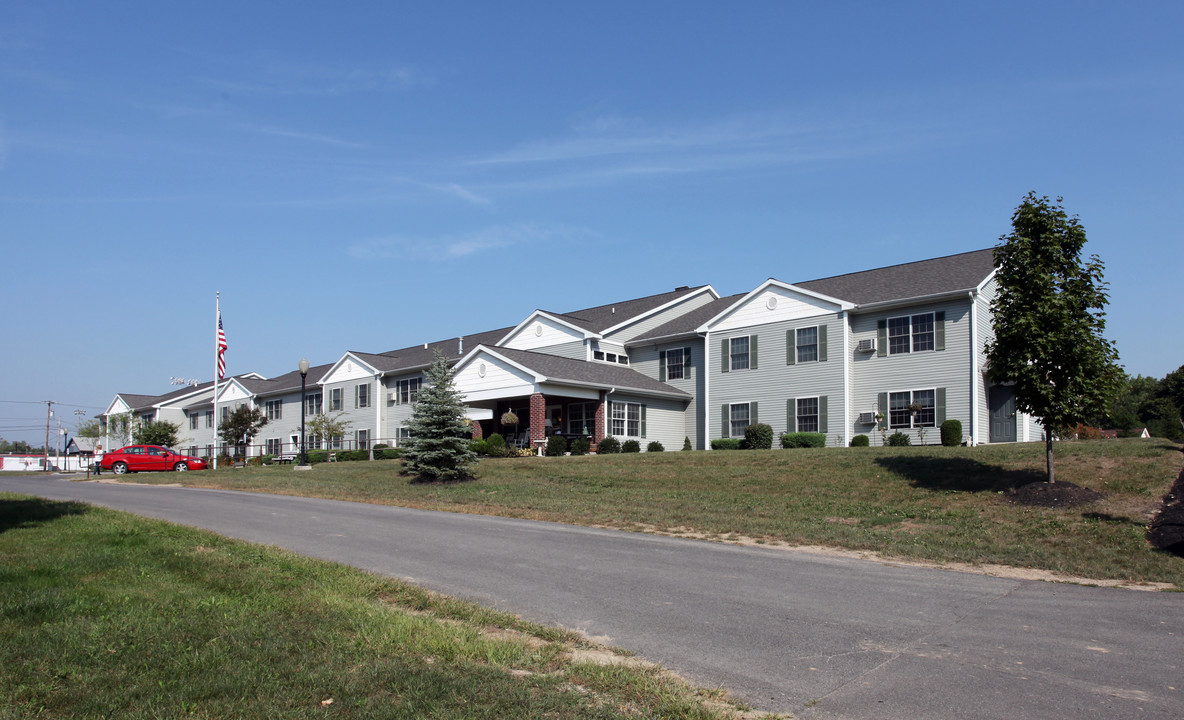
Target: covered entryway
pixel 1002 405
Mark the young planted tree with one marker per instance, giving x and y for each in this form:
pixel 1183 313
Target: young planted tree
pixel 241 425
pixel 1049 318
pixel 438 448
pixel 156 432
pixel 327 427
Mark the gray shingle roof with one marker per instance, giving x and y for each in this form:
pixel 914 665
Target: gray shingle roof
pixel 937 276
pixel 559 369
pixel 602 317
pixel 687 324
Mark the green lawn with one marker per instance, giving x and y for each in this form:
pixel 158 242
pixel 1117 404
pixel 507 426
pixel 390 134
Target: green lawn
pixel 922 503
pixel 104 614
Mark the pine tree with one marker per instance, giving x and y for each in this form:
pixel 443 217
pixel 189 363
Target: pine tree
pixel 438 448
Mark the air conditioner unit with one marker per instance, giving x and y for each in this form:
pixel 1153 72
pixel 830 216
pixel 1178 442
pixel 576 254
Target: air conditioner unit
pixel 868 418
pixel 866 346
pixel 392 396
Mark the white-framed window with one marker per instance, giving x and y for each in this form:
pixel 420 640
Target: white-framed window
pixel 313 442
pixel 225 414
pixel 675 363
pixel 362 395
pixel 275 409
pixel 209 418
pixel 363 439
pixel 335 400
pixel 581 418
pixel 628 419
pixel 912 409
pixel 313 404
pixel 335 442
pixel 274 446
pixel 807 414
pixel 911 333
pixel 597 354
pixel 193 421
pixel 807 346
pixel 622 359
pixel 738 353
pixel 739 415
pixel 407 391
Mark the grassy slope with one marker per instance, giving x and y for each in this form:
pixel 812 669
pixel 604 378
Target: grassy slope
pixel 932 503
pixel 103 614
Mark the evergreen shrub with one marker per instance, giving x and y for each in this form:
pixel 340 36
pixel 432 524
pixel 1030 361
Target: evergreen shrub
pixel 580 446
pixel 803 440
pixel 725 444
pixel 608 446
pixel 951 433
pixel 654 446
pixel 758 436
pixel 899 439
pixel 631 446
pixel 686 444
pixel 556 446
pixel 860 441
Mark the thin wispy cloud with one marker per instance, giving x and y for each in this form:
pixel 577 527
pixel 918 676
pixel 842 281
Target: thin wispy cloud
pixel 463 193
pixel 297 79
pixel 282 132
pixel 453 247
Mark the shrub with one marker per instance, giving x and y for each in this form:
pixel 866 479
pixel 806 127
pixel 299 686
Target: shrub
pixel 899 439
pixel 803 440
pixel 686 444
pixel 1085 432
pixel 860 441
pixel 631 446
pixel 725 444
pixel 387 453
pixel 495 445
pixel 580 446
pixel 654 446
pixel 951 433
pixel 318 456
pixel 556 446
pixel 758 436
pixel 608 446
pixel 255 461
pixel 481 447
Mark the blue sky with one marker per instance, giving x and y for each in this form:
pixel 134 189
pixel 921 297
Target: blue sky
pixel 371 176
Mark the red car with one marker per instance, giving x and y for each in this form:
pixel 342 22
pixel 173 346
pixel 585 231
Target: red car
pixel 148 458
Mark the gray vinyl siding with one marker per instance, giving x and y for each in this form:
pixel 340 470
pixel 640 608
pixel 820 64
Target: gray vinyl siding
pixel 774 382
pixel 664 420
pixel 637 329
pixel 395 415
pixel 358 418
pixel 284 428
pixel 646 360
pixel 575 349
pixel 872 374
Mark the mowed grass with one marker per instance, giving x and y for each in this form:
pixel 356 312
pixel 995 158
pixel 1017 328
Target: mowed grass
pixel 104 614
pixel 921 503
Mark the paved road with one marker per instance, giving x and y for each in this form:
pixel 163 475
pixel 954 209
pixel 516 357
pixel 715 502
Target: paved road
pixel 788 632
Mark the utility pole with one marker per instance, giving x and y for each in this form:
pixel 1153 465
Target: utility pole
pixel 48 418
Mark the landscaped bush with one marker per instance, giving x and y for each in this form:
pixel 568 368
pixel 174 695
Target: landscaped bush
pixel 608 446
pixel 860 441
pixel 951 433
pixel 481 447
pixel 686 444
pixel 256 461
pixel 387 453
pixel 318 456
pixel 803 440
pixel 1085 432
pixel 495 445
pixel 654 446
pixel 556 446
pixel 725 444
pixel 631 446
pixel 758 436
pixel 580 446
pixel 899 439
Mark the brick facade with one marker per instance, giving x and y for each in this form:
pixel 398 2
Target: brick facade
pixel 599 432
pixel 538 419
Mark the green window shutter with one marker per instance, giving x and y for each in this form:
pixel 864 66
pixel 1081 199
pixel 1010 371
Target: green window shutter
pixel 821 343
pixel 939 330
pixel 882 407
pixel 791 415
pixel 752 352
pixel 726 414
pixel 643 420
pixel 939 409
pixel 752 416
pixel 791 347
pixel 356 389
pixel 822 414
pixel 686 363
pixel 882 339
pixel 725 355
pixel 662 366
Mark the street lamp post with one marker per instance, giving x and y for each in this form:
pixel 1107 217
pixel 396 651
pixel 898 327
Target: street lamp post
pixel 303 365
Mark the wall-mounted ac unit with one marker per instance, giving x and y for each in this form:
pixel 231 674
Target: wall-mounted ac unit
pixel 866 346
pixel 868 418
pixel 392 396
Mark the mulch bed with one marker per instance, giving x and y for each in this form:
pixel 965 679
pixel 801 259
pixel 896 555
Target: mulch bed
pixel 1054 495
pixel 1167 529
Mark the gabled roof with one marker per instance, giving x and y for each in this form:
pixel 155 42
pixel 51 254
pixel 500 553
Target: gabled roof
pixel 924 278
pixel 688 324
pixel 600 318
pixel 418 356
pixel 560 370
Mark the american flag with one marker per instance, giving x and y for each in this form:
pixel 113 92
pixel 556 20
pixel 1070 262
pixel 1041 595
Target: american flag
pixel 221 348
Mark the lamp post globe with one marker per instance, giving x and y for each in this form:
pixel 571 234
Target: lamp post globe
pixel 303 366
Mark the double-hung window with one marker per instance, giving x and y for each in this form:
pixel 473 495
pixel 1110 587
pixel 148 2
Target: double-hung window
pixel 275 409
pixel 628 419
pixel 674 364
pixel 209 418
pixel 274 446
pixel 314 404
pixel 807 415
pixel 193 423
pixel 912 333
pixel 738 353
pixel 807 345
pixel 912 409
pixel 363 438
pixel 407 391
pixel 739 415
pixel 362 395
pixel 335 400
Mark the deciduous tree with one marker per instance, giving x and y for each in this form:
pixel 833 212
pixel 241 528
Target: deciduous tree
pixel 1049 317
pixel 241 425
pixel 156 432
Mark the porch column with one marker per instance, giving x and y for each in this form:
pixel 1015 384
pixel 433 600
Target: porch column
pixel 598 431
pixel 475 426
pixel 538 419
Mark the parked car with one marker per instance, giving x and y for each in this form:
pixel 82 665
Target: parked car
pixel 149 458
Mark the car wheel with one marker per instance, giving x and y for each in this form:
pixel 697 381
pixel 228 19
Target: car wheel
pixel 181 467
pixel 119 468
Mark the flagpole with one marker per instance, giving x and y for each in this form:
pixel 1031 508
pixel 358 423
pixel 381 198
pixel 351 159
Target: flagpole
pixel 217 319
